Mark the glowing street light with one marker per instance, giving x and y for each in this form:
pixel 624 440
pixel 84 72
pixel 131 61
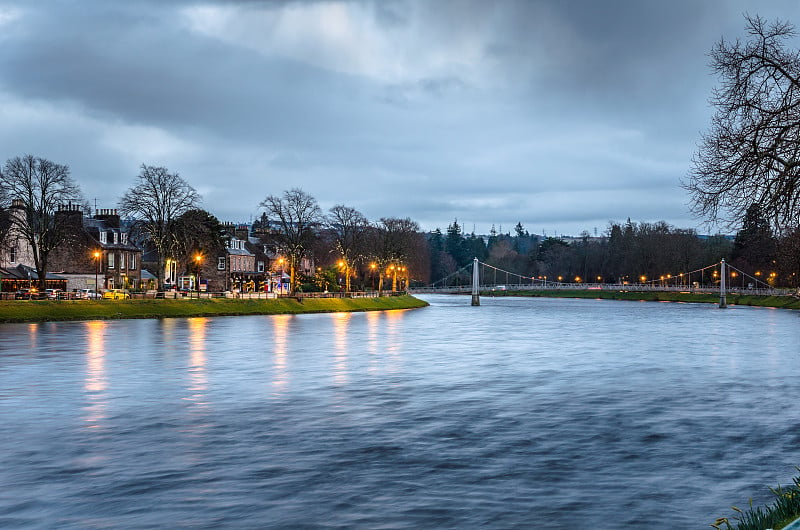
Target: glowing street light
pixel 198 259
pixel 97 255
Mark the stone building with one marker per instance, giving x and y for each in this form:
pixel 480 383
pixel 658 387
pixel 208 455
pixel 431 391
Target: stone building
pixel 100 255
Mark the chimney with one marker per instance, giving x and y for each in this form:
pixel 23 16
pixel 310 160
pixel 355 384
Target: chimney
pixel 71 213
pixel 242 232
pixel 109 216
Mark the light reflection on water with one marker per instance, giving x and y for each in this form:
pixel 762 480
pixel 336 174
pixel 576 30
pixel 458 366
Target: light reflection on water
pixel 280 341
pixel 197 366
pixel 95 372
pixel 340 334
pixel 519 413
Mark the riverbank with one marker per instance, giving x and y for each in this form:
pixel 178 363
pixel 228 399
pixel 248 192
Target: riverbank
pixel 781 302
pixel 783 513
pixel 47 310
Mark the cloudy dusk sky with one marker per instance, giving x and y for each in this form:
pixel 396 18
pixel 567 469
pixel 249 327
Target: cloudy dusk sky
pixel 562 115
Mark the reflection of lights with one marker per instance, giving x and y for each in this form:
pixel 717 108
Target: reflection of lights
pixel 280 337
pixel 197 359
pixel 341 322
pixel 95 383
pixel 373 337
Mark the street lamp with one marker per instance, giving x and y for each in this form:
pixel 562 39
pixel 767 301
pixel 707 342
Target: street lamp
pixel 372 268
pixel 280 277
pixel 345 270
pixel 393 270
pixel 96 270
pixel 198 259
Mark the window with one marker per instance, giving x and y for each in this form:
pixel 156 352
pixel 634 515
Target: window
pixel 221 263
pixel 121 259
pixel 260 266
pixel 110 260
pixel 12 255
pixel 132 261
pixel 103 237
pixel 116 237
pixel 125 238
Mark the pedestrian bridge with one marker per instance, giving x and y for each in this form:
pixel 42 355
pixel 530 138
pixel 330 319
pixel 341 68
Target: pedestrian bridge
pixel 479 278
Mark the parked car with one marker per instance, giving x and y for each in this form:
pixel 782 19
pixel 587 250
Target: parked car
pixel 54 294
pixel 116 294
pixel 88 294
pixel 28 294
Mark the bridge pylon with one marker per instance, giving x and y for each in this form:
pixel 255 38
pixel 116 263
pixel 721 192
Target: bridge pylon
pixel 476 283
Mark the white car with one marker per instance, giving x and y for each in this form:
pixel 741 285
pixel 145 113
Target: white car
pixel 88 294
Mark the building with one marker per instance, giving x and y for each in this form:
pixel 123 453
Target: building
pixel 100 254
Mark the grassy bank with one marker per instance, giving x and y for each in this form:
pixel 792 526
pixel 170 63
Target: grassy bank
pixel 45 310
pixel 783 302
pixel 781 513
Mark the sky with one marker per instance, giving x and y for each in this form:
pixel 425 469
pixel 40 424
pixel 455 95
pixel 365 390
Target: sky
pixel 562 115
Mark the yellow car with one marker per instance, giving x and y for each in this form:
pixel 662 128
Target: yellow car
pixel 116 294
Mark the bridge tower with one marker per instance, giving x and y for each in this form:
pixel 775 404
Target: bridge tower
pixel 476 281
pixel 723 301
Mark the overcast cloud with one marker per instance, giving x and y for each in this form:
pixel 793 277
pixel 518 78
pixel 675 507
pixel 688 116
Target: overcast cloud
pixel 562 115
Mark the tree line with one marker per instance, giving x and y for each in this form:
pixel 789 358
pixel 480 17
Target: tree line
pixel 352 253
pixel 626 252
pixel 163 213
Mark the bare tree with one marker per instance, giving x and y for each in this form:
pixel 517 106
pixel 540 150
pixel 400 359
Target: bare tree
pixel 751 154
pixel 38 189
pixel 297 214
pixel 349 228
pixel 155 202
pixel 394 241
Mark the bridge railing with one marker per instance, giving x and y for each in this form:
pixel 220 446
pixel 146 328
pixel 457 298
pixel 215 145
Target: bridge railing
pixel 488 288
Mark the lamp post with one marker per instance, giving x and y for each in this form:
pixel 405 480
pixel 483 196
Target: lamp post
pixel 372 268
pixel 197 259
pixel 343 267
pixel 96 270
pixel 280 276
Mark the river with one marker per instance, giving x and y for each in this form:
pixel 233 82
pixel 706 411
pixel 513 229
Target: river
pixel 521 413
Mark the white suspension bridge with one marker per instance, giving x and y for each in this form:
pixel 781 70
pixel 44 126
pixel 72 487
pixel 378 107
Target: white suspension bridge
pixel 718 277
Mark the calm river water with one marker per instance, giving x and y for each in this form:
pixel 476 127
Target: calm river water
pixel 529 413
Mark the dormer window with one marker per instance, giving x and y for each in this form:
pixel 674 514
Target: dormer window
pixel 116 237
pixel 125 238
pixel 103 237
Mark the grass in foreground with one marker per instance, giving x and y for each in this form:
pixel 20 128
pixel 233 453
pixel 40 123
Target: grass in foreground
pixel 46 310
pixel 784 510
pixel 783 302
